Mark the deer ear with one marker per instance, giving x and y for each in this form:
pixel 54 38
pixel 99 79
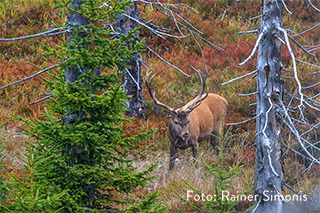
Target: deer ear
pixel 168 114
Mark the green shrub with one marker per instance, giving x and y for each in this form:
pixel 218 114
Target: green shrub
pixel 220 188
pixel 79 156
pixel 28 191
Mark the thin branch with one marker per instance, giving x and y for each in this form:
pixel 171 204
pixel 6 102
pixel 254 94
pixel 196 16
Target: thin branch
pixel 285 6
pixel 314 49
pixel 155 26
pixel 255 75
pixel 45 94
pixel 306 101
pixel 313 85
pixel 162 5
pixel 202 55
pixel 294 191
pixel 47 33
pixel 278 37
pixel 247 32
pixel 294 151
pixel 313 6
pixel 284 69
pixel 307 63
pixel 238 78
pixel 175 22
pixel 151 50
pixel 299 45
pixel 256 207
pixel 40 100
pixel 314 73
pixel 32 76
pixel 153 30
pixel 253 93
pixel 294 64
pixel 212 44
pixel 259 16
pixel 252 104
pixel 270 163
pixel 304 123
pixel 254 49
pixel 296 133
pixel 315 143
pixel 310 144
pixel 154 4
pixel 241 122
pixel 134 80
pixel 313 97
pixel 56 121
pixel 311 28
pixel 266 121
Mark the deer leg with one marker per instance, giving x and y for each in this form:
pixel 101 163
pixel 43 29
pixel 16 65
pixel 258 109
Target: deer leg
pixel 173 151
pixel 195 154
pixel 215 142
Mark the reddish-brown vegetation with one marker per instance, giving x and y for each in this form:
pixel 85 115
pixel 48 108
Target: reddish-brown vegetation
pixel 219 20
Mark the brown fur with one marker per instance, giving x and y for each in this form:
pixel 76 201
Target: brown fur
pixel 199 124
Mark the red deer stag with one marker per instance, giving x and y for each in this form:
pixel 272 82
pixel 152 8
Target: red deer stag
pixel 194 122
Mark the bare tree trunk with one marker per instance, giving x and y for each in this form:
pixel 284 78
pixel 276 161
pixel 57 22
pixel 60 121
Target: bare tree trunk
pixel 132 79
pixel 268 171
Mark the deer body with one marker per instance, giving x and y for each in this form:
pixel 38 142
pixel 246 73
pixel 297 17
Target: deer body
pixel 194 122
pixel 204 121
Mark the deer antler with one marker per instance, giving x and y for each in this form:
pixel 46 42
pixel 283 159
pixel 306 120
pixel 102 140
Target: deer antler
pixel 148 83
pixel 199 99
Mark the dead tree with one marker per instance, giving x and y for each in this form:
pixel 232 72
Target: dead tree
pixel 125 22
pixel 132 77
pixel 273 114
pixel 130 19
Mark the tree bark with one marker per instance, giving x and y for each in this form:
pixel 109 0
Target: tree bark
pixel 72 74
pixel 132 78
pixel 268 171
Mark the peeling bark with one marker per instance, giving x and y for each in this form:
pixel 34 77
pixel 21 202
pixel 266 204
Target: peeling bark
pixel 132 78
pixel 268 171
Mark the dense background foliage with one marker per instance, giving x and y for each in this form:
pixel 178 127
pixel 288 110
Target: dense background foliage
pixel 219 20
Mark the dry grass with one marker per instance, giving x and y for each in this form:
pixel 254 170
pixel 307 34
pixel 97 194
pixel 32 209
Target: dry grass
pixel 173 184
pixel 14 142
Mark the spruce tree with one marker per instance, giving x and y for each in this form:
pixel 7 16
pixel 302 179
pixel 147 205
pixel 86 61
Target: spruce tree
pixel 82 138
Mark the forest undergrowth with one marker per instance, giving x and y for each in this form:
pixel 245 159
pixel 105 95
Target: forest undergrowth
pixel 220 21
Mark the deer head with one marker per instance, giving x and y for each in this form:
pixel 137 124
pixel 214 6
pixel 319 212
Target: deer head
pixel 179 118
